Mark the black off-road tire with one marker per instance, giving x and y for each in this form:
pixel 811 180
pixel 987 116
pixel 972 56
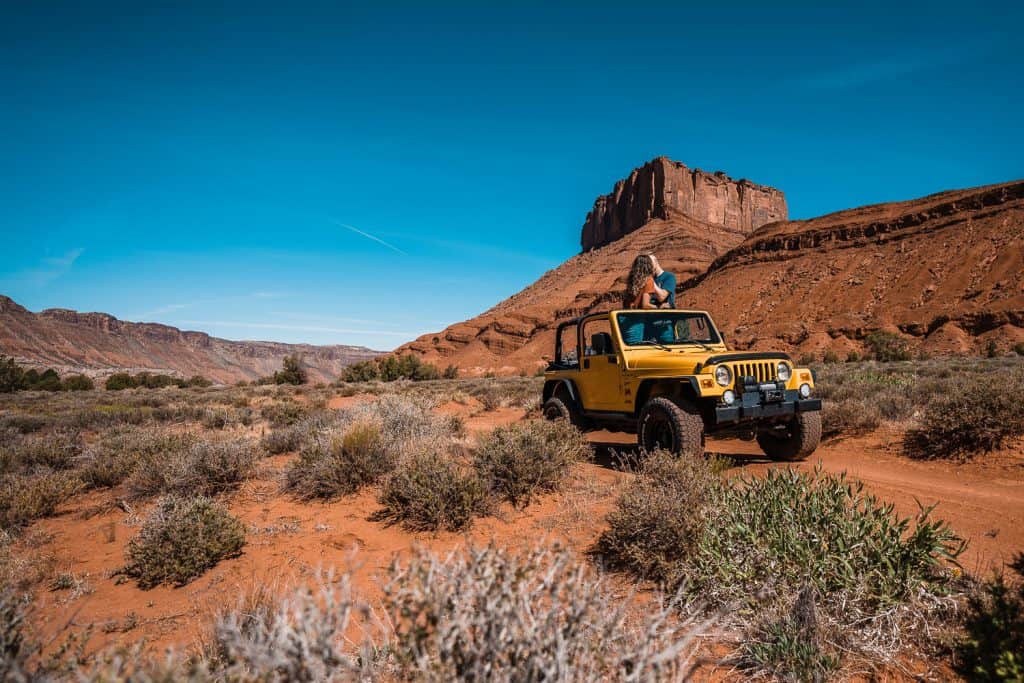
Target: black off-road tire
pixel 798 440
pixel 663 423
pixel 557 409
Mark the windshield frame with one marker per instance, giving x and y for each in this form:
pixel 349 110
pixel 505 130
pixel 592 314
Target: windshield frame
pixel 714 336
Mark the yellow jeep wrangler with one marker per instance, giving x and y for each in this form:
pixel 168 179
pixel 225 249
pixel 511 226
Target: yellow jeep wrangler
pixel 668 377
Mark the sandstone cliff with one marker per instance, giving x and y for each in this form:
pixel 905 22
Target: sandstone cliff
pixel 99 344
pixel 662 185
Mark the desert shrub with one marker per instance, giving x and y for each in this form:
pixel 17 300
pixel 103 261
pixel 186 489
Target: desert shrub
pixel 12 377
pixel 193 467
pixel 119 381
pixel 830 357
pixel 215 418
pixel 992 648
pixel 491 615
pixel 199 381
pixel 431 492
pixel 78 383
pixel 973 418
pixel 341 461
pixel 659 519
pixel 850 416
pixel 56 450
pixel 292 371
pixel 293 639
pixel 118 451
pixel 786 528
pixel 520 460
pixel 391 368
pixel 23 423
pixel 180 540
pixel 790 647
pixel 284 413
pixel 763 540
pixel 450 372
pixel 16 650
pixel 283 439
pixel 363 371
pixel 1018 348
pixel 991 349
pixel 887 346
pixel 27 497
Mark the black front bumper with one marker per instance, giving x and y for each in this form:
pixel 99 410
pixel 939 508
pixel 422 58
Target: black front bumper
pixel 748 410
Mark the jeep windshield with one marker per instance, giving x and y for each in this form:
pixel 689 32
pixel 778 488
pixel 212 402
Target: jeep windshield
pixel 666 328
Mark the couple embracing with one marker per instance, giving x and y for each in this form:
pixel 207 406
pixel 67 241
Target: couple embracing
pixel 649 285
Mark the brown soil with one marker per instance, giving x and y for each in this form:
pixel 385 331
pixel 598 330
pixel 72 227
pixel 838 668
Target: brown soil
pixel 288 541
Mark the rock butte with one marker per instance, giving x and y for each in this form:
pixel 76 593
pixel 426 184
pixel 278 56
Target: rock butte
pixel 946 271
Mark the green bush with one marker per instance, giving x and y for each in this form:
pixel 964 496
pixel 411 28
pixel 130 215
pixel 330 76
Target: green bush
pixel 887 346
pixel 119 381
pixel 199 381
pixel 520 460
pixel 12 377
pixel 180 540
pixel 749 545
pixel 292 371
pixel 450 372
pixel 431 492
pixel 78 383
pixel 1018 348
pixel 659 520
pixel 976 417
pixel 391 368
pixel 340 462
pixel 363 371
pixel 993 646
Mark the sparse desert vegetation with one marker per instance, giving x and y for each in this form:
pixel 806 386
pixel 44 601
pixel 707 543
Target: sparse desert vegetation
pixel 794 574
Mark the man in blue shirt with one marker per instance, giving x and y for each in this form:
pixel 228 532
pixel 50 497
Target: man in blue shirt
pixel 666 281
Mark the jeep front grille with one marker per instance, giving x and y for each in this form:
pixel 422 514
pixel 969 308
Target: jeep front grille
pixel 762 371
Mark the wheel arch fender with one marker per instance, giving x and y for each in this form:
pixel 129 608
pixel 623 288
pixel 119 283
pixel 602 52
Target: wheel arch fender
pixel 683 388
pixel 552 385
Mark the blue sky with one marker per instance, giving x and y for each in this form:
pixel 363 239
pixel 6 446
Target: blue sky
pixel 335 173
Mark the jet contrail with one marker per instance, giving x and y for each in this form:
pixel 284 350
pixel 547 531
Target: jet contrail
pixel 369 236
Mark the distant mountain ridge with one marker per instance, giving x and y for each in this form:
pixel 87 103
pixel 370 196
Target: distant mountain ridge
pixel 99 344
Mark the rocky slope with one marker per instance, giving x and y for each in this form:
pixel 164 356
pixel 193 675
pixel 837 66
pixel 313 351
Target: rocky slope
pixel 946 272
pixel 687 229
pixel 99 344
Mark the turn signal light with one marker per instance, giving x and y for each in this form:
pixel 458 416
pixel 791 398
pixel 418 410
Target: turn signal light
pixel 706 383
pixel 805 377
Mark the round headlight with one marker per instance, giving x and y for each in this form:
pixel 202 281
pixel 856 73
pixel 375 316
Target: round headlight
pixel 805 391
pixel 723 375
pixel 728 398
pixel 783 371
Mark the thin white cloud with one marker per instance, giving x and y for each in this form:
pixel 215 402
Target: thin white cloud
pixel 369 236
pixel 49 269
pixel 891 67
